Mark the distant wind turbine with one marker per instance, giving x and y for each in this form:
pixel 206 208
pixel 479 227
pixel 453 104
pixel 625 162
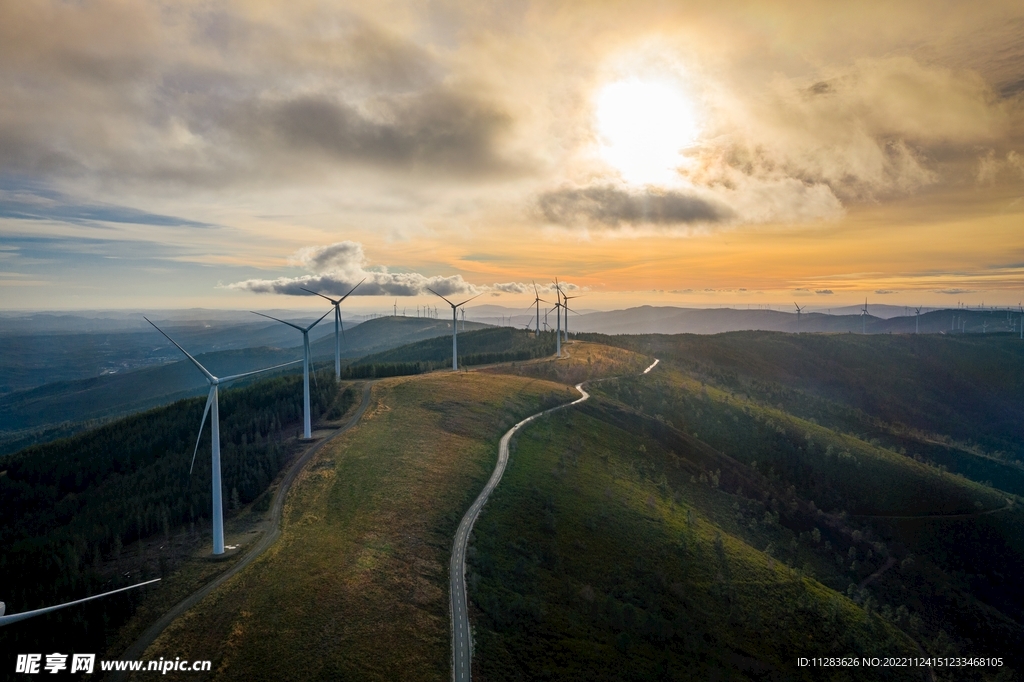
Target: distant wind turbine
pixel 213 400
pixel 558 320
pixel 917 321
pixel 306 360
pixel 15 617
pixel 565 301
pixel 455 326
pixel 337 324
pixel 537 300
pixel 863 317
pixel 799 311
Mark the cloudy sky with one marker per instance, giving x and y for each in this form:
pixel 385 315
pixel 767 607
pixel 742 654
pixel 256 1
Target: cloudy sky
pixel 226 154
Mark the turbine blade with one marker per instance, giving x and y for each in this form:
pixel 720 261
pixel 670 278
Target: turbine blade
pixel 341 322
pixel 468 300
pixel 317 322
pixel 195 362
pixel 437 294
pixel 224 380
pixel 320 295
pixel 276 320
pixel 206 411
pixel 351 290
pixel 15 617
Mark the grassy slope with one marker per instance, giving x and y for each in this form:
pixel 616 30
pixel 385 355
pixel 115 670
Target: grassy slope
pixel 957 574
pixel 356 588
pixel 587 528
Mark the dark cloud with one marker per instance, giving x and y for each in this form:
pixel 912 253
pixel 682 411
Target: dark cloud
pixel 612 206
pixel 955 291
pixel 440 129
pixel 217 96
pixel 886 291
pixel 823 292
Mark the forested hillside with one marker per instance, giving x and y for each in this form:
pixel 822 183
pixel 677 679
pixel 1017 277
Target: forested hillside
pixel 72 505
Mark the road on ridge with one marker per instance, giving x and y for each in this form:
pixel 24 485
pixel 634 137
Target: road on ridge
pixel 135 651
pixel 462 642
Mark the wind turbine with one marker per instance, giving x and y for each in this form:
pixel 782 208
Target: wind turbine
pixel 799 310
pixel 15 617
pixel 306 432
pixel 213 400
pixel 863 317
pixel 558 320
pixel 917 321
pixel 337 323
pixel 455 326
pixel 537 300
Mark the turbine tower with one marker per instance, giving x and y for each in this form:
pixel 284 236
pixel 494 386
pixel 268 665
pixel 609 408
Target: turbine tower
pixel 337 324
pixel 455 326
pixel 863 317
pixel 917 321
pixel 306 431
pixel 799 311
pixel 15 617
pixel 213 400
pixel 558 320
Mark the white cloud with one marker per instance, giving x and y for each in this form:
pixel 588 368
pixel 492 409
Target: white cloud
pixel 336 268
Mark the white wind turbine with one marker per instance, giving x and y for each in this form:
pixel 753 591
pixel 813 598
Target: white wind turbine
pixel 213 400
pixel 863 317
pixel 455 326
pixel 306 360
pixel 558 320
pixel 15 617
pixel 799 311
pixel 537 300
pixel 337 324
pixel 917 320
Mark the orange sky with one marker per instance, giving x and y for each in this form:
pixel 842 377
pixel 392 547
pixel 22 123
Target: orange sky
pixel 224 154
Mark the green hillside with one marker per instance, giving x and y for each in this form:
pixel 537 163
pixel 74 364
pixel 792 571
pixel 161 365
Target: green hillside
pixel 599 559
pixel 954 401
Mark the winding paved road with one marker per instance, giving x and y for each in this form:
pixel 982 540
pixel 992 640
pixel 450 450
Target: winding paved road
pixel 462 641
pixel 135 651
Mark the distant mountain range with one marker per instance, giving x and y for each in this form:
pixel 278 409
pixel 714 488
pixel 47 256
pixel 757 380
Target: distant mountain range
pixel 673 320
pixel 164 376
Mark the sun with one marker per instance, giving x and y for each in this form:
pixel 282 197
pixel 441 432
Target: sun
pixel 643 126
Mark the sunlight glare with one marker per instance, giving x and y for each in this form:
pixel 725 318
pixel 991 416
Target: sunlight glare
pixel 643 125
